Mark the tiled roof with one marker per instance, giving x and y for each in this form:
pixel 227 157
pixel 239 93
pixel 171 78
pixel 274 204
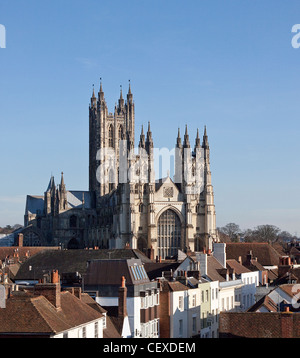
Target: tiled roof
pixel 259 325
pixel 214 268
pixel 289 289
pixel 177 286
pixel 110 331
pixel 265 253
pixel 115 322
pixel 23 251
pixel 255 266
pixel 238 268
pixel 25 313
pixel 266 302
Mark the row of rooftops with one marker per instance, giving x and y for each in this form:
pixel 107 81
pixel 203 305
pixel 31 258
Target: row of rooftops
pixel 136 268
pixel 33 262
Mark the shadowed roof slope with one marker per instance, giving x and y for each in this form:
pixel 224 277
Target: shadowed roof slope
pixel 70 261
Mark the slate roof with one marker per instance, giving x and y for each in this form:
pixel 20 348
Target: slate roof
pixel 34 204
pixel 109 272
pixel 66 261
pixel 75 197
pixel 265 253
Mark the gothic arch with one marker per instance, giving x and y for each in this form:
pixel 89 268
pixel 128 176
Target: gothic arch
pixel 111 136
pixel 121 132
pixel 170 235
pixel 171 208
pixel 142 244
pixel 73 244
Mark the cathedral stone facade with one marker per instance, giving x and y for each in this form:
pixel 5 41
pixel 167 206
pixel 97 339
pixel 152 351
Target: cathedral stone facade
pixel 125 205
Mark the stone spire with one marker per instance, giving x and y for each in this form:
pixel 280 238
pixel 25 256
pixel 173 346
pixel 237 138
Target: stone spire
pixel 121 100
pixel 197 142
pixel 205 139
pixel 186 140
pixel 101 93
pixel 142 139
pixel 178 143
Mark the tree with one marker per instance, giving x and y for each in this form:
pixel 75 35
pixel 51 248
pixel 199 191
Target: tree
pixel 266 233
pixel 232 230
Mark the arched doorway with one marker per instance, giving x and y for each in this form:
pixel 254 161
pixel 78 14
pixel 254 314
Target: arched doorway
pixel 168 234
pixel 142 244
pixel 73 244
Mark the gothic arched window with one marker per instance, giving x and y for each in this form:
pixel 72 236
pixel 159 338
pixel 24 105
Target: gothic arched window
pixel 111 136
pixel 168 234
pixel 121 133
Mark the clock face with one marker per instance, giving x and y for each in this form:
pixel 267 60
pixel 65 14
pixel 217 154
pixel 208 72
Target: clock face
pixel 2 296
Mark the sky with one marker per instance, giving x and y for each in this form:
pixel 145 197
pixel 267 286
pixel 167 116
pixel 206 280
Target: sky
pixel 229 65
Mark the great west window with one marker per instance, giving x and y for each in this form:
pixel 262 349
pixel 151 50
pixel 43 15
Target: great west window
pixel 168 234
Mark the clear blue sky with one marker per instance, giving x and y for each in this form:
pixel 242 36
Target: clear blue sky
pixel 228 65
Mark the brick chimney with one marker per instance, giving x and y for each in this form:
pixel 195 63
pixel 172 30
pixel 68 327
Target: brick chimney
pixel 122 308
pixel 51 290
pixel 19 241
pixel 150 253
pixel 284 265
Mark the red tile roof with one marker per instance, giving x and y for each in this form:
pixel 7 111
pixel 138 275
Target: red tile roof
pixel 265 253
pixel 259 325
pixel 238 268
pixel 35 315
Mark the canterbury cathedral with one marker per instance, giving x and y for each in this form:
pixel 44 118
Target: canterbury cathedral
pixel 127 205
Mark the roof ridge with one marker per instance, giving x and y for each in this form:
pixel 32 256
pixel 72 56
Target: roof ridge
pixel 41 298
pixel 52 308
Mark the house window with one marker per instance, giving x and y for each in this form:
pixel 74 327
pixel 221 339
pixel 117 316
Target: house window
pixel 194 301
pixel 194 325
pixel 180 303
pixel 180 327
pixel 83 332
pixel 65 335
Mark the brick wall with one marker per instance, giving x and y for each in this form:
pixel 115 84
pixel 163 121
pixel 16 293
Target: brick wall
pixel 164 314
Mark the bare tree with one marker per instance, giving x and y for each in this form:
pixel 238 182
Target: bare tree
pixel 232 230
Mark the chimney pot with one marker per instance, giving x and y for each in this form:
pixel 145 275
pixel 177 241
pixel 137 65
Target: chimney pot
pixel 123 281
pixel 122 308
